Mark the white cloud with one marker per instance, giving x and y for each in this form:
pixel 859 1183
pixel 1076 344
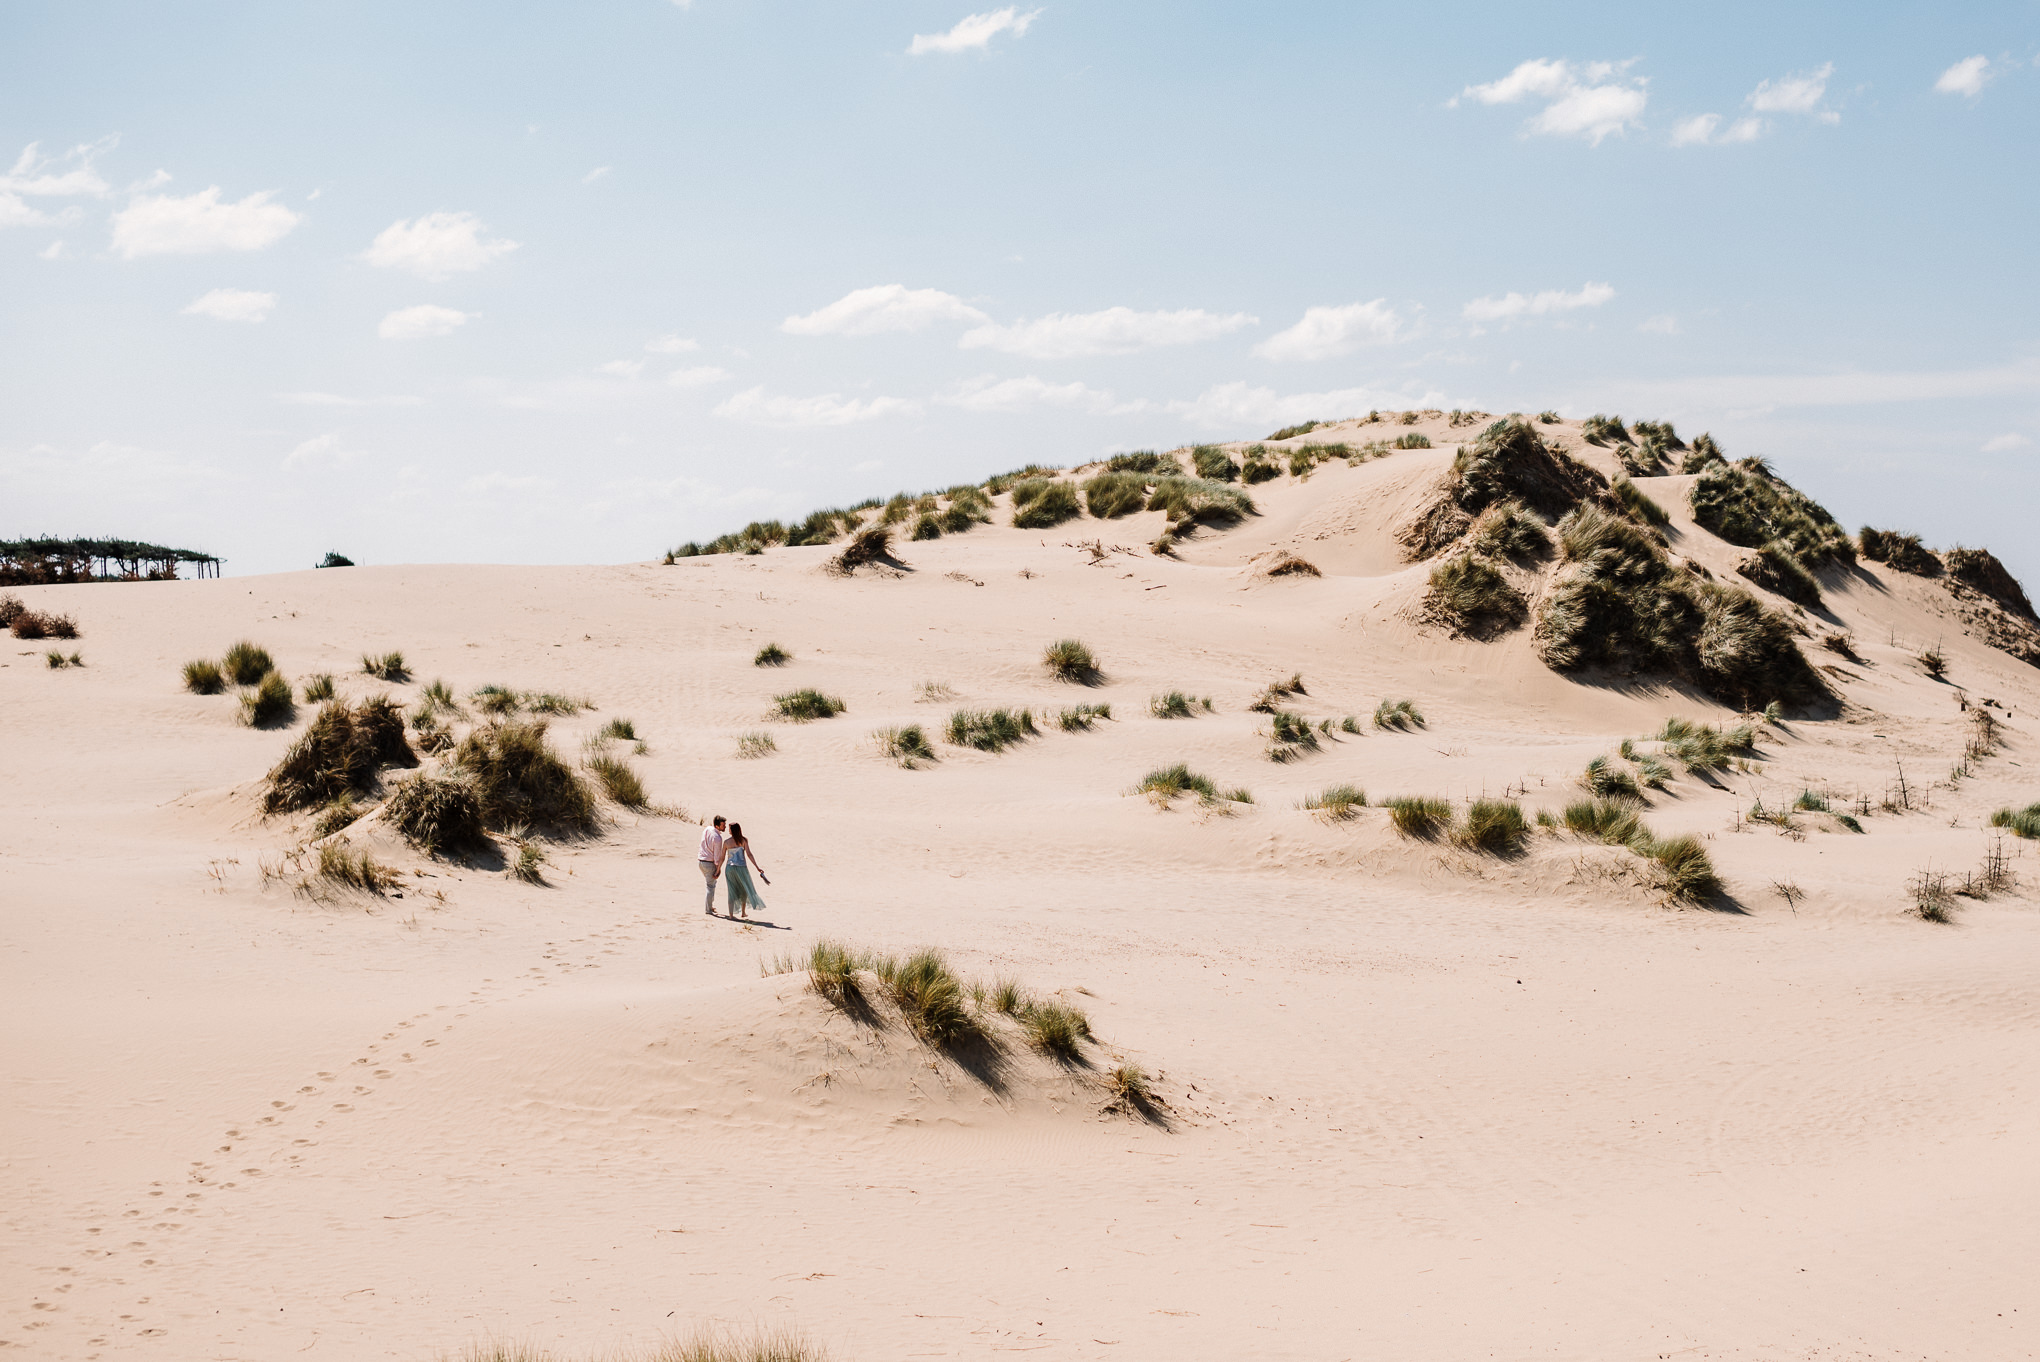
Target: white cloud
pixel 1512 305
pixel 622 368
pixel 15 213
pixel 1665 324
pixel 671 345
pixel 436 245
pixel 336 400
pixel 1796 94
pixel 829 409
pixel 1591 100
pixel 883 307
pixel 1965 77
pixel 2002 444
pixel 597 173
pixel 976 31
pixel 53 251
pixel 1115 331
pixel 426 319
pixel 700 376
pixel 159 224
pixel 233 305
pixel 1326 332
pixel 1700 131
pixel 65 175
pixel 1237 407
pixel 321 449
pixel 1018 394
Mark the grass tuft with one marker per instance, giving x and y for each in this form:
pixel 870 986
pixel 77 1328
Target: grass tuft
pixel 931 1000
pixel 905 745
pixel 1337 802
pixel 1068 659
pixel 772 655
pixel 1683 871
pixel 751 746
pixel 1418 816
pixel 1079 718
pixel 1173 705
pixel 529 865
pixel 1041 503
pixel 1614 822
pixel 618 780
pixel 318 689
pixel 353 869
pixel 807 704
pixel 245 664
pixel 1638 506
pixel 1164 783
pixel 1468 596
pixel 2019 822
pixel 1057 1030
pixel 520 780
pixel 1605 780
pixel 990 730
pixel 268 703
pixel 1401 715
pixel 204 678
pixel 386 667
pixel 1493 826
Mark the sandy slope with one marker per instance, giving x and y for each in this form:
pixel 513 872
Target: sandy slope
pixel 1422 1104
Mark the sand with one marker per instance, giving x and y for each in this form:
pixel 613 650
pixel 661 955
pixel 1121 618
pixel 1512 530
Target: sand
pixel 1418 1103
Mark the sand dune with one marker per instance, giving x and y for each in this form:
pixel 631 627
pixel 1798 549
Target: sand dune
pixel 1419 1102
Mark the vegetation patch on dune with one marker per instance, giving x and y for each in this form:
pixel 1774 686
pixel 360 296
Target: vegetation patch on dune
pixel 1042 503
pixel 1901 551
pixel 990 730
pixel 1467 595
pixel 520 781
pixel 1509 462
pixel 342 750
pixel 1070 659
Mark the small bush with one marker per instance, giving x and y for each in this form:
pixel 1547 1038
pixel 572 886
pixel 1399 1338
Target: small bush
pixel 1214 464
pixel 1934 662
pixel 1164 783
pixel 1402 715
pixel 931 1000
pixel 1057 1030
pixel 618 780
pixel 437 811
pixel 772 655
pixel 204 678
pixel 496 700
pixel 1639 506
pixel 318 688
pixel 1129 1088
pixel 751 746
pixel 806 704
pixel 1111 495
pixel 990 730
pixel 520 780
pixel 1702 747
pixel 1419 817
pixel 29 624
pixel 245 664
pixel 1468 596
pixel 269 703
pixel 1412 441
pixel 905 745
pixel 1493 826
pixel 1079 718
pixel 1199 501
pixel 11 607
pixel 1337 802
pixel 1174 705
pixel 1683 871
pixel 1070 660
pixel 386 666
pixel 1507 529
pixel 1612 821
pixel 867 546
pixel 2019 822
pixel 1605 780
pixel 1043 503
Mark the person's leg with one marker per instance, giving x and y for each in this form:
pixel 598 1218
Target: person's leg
pixel 734 899
pixel 708 874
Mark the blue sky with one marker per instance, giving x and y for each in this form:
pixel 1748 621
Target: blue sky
pixel 523 283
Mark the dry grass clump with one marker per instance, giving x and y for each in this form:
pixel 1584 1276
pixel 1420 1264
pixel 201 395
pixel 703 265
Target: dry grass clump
pixel 57 661
pixel 1079 718
pixel 1901 551
pixel 496 701
pixel 1419 816
pixel 204 678
pixel 867 546
pixel 618 780
pixel 318 688
pixel 354 869
pixel 1682 871
pixel 342 750
pixel 1270 700
pixel 1176 705
pixel 755 744
pixel 807 704
pixel 1400 715
pixel 1043 502
pixel 772 655
pixel 1603 430
pixel 268 703
pixel 1337 803
pixel 1291 432
pixel 32 624
pixel 1128 1089
pixel 1468 596
pixel 520 780
pixel 931 1000
pixel 1200 501
pixel 1289 565
pixel 1068 659
pixel 1702 747
pixel 906 744
pixel 552 702
pixel 1613 821
pixel 1214 464
pixel 2019 822
pixel 1056 1029
pixel 710 1345
pixel 1164 783
pixel 1111 495
pixel 529 865
pixel 245 663
pixel 1605 780
pixel 1980 570
pixel 1508 530
pixel 343 812
pixel 1934 662
pixel 1493 826
pixel 439 811
pixel 11 608
pixel 385 666
pixel 990 730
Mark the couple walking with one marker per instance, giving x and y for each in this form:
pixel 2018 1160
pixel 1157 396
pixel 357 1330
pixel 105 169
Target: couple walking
pixel 728 854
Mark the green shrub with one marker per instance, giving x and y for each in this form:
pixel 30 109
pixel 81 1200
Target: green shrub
pixel 990 730
pixel 1079 718
pixel 618 780
pixel 2019 822
pixel 204 678
pixel 772 655
pixel 1776 568
pixel 1507 530
pixel 1070 660
pixel 1604 779
pixel 318 688
pixel 520 781
pixel 1398 714
pixel 1164 783
pixel 1468 596
pixel 268 703
pixel 807 704
pixel 931 1001
pixel 905 745
pixel 1493 826
pixel 1413 440
pixel 1613 821
pixel 1337 802
pixel 926 526
pixel 1057 1030
pixel 1214 464
pixel 385 667
pixel 1144 461
pixel 438 811
pixel 1744 504
pixel 1201 502
pixel 1041 504
pixel 1174 705
pixel 1683 871
pixel 1419 817
pixel 1111 495
pixel 245 664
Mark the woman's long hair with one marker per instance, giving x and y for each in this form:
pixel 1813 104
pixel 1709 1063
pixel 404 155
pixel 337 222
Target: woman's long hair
pixel 737 837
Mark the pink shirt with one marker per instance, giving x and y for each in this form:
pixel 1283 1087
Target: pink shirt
pixel 711 845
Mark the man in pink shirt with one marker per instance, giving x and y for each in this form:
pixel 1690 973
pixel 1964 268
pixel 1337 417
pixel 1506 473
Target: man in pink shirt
pixel 711 859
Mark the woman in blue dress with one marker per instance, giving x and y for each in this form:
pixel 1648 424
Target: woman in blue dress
pixel 738 861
